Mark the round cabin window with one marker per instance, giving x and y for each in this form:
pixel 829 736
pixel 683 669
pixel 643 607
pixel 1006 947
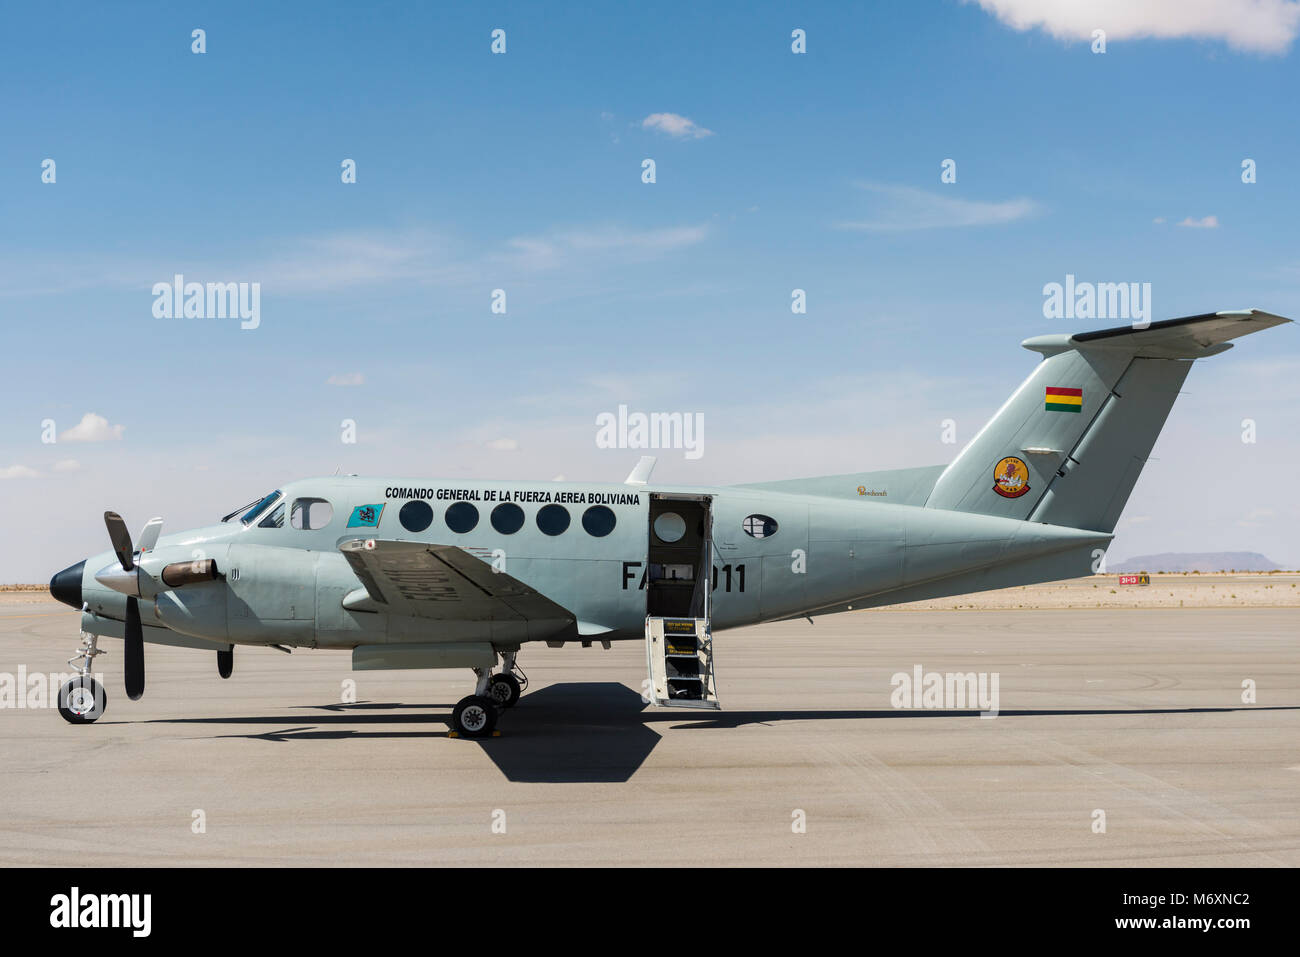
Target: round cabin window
pixel 461 517
pixel 553 519
pixel 507 518
pixel 415 516
pixel 599 521
pixel 670 527
pixel 759 526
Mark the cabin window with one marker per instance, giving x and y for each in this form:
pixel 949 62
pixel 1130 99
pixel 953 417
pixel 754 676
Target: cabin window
pixel 507 518
pixel 759 526
pixel 311 513
pixel 415 516
pixel 669 527
pixel 599 521
pixel 275 519
pixel 553 519
pixel 461 517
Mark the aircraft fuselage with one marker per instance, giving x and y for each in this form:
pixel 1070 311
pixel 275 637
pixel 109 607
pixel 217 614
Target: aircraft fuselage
pixel 809 555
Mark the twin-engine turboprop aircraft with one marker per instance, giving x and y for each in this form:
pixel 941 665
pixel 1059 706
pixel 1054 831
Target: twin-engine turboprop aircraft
pixel 412 573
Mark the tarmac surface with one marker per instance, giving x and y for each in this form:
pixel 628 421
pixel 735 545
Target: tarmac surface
pixel 1129 716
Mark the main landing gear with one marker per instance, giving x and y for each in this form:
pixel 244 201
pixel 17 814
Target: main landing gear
pixel 476 716
pixel 82 699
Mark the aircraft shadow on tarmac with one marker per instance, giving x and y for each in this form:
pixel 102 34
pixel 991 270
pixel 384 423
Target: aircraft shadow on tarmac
pixel 589 733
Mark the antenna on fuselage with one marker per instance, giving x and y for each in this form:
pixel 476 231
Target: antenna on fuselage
pixel 641 473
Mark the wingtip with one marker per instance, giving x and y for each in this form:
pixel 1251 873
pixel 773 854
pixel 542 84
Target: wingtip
pixel 1271 318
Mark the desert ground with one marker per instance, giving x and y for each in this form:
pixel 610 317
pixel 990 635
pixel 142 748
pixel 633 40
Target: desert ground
pixel 1124 736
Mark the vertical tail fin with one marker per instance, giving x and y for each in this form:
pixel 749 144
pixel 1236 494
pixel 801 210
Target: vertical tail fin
pixel 1068 446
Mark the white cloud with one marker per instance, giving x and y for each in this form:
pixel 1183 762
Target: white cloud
pixel 67 465
pixel 346 378
pixel 1205 222
pixel 18 472
pixel 675 125
pixel 906 207
pixel 422 256
pixel 92 428
pixel 1254 520
pixel 1258 26
pixel 558 249
pixel 363 256
pixel 503 445
pixel 320 264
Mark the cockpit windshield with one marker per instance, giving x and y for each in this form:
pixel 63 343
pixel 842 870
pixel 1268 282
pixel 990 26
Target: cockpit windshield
pixel 248 513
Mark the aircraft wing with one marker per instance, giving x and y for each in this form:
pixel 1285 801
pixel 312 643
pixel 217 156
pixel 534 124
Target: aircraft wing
pixel 443 582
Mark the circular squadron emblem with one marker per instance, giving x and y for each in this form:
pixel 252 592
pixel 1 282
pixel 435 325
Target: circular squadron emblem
pixel 1011 477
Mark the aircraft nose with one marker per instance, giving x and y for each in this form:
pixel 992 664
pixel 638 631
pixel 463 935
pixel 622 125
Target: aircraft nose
pixel 65 586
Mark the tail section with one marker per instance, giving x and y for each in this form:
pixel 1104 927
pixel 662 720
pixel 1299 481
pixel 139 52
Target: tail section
pixel 1068 446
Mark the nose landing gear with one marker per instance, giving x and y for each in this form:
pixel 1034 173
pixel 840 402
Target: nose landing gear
pixel 82 699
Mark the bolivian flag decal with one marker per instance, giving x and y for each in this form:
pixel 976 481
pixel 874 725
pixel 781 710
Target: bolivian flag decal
pixel 1063 400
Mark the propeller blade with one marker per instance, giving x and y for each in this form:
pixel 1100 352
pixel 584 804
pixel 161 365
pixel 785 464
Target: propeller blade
pixel 226 661
pixel 134 651
pixel 120 538
pixel 149 535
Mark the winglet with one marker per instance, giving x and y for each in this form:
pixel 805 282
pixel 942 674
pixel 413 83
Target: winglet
pixel 641 474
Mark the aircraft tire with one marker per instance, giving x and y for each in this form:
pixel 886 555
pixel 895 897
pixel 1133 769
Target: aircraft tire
pixel 474 717
pixel 504 689
pixel 82 700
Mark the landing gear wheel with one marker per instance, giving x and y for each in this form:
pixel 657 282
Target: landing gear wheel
pixel 504 689
pixel 474 717
pixel 82 700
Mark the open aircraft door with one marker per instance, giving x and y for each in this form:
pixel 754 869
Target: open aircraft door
pixel 678 633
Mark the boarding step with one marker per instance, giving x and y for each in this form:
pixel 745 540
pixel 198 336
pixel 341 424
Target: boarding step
pixel 679 653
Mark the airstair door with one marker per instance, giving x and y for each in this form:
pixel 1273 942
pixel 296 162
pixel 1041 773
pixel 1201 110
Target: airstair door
pixel 678 633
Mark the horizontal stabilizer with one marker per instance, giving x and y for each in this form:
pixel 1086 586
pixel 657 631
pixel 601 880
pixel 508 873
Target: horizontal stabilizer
pixel 1191 337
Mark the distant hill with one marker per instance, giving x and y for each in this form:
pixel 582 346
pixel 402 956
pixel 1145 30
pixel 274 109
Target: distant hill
pixel 1195 562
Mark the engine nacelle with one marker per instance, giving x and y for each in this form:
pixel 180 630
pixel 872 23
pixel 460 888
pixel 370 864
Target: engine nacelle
pixel 199 610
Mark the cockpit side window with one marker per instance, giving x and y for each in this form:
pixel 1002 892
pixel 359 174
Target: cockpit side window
pixel 275 519
pixel 258 507
pixel 311 513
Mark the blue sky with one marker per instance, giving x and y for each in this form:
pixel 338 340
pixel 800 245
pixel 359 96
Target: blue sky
pixel 522 172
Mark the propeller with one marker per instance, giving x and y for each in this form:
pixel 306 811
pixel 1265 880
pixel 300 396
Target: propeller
pixel 134 650
pixel 121 539
pixel 149 534
pixel 132 581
